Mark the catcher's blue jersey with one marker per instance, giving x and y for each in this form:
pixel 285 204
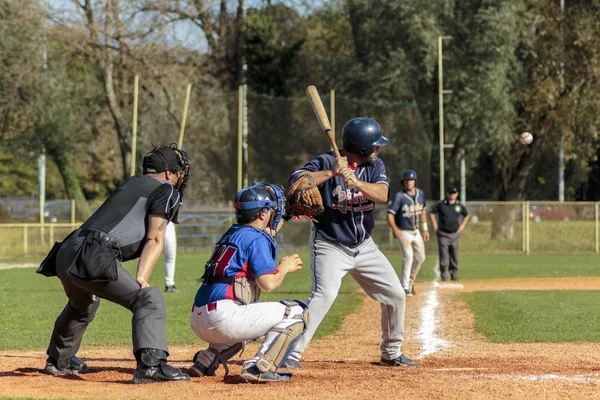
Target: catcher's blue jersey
pixel 407 209
pixel 243 251
pixel 348 216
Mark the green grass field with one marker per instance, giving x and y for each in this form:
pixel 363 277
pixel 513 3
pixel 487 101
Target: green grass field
pixel 31 302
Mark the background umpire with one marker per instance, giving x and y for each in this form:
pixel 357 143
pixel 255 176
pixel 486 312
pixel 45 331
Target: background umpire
pixel 130 224
pixel 452 216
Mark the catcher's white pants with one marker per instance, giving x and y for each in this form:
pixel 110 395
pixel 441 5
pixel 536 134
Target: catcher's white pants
pixel 232 323
pixel 330 262
pixel 170 254
pixel 413 255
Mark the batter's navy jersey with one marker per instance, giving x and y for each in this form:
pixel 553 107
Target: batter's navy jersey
pixel 243 251
pixel 407 209
pixel 348 216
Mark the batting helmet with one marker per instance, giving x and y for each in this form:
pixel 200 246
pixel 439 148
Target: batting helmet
pixel 260 196
pixel 408 174
pixel 359 135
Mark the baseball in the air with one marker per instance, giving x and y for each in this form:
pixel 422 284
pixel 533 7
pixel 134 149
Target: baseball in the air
pixel 526 138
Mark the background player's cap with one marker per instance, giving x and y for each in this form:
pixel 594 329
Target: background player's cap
pixel 161 159
pixel 452 189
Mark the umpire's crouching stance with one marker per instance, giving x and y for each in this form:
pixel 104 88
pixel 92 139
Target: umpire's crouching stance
pixel 130 224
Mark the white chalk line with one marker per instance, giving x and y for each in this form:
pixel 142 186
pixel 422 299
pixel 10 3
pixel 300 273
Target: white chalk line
pixel 428 322
pixel 11 266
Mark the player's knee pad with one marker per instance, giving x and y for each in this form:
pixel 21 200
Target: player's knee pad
pixel 221 357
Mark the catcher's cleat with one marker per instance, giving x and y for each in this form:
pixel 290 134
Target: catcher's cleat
pixel 291 363
pixel 172 289
pixel 401 361
pixel 72 366
pixel 163 372
pixel 199 370
pixel 253 374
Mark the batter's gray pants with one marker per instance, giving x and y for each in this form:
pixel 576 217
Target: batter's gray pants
pixel 330 262
pixel 448 250
pixel 148 307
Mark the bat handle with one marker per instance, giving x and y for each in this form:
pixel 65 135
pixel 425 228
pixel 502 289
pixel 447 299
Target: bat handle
pixel 336 151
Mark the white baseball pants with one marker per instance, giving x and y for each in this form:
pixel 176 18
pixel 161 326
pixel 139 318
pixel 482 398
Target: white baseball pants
pixel 413 255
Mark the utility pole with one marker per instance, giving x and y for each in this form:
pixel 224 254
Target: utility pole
pixel 441 93
pixel 242 28
pixel 561 152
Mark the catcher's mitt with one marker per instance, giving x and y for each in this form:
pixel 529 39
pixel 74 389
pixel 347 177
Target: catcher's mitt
pixel 304 198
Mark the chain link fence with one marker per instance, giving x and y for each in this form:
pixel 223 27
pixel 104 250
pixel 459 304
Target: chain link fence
pixel 494 227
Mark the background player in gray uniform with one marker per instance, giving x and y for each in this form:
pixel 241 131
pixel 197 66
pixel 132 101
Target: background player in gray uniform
pixel 407 212
pixel 452 217
pixel 341 240
pixel 130 224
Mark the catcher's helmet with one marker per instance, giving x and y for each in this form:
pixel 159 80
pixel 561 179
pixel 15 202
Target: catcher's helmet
pixel 359 135
pixel 408 174
pixel 260 196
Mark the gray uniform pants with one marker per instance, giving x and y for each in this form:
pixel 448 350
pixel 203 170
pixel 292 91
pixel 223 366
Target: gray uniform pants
pixel 148 307
pixel 448 250
pixel 330 262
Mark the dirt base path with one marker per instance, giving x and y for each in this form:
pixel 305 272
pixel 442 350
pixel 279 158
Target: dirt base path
pixel 456 362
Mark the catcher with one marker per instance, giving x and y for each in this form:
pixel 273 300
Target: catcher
pixel 341 241
pixel 226 311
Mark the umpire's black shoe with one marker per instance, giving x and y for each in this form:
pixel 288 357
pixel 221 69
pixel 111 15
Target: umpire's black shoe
pixel 163 372
pixel 454 277
pixel 72 366
pixel 401 361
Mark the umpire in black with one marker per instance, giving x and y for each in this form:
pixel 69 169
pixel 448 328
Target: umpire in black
pixel 452 217
pixel 130 224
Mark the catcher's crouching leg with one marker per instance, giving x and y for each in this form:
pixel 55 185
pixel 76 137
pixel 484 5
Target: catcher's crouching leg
pixel 279 343
pixel 206 362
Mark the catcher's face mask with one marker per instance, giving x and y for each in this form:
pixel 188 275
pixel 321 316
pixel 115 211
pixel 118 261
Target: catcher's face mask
pixel 278 204
pixel 184 172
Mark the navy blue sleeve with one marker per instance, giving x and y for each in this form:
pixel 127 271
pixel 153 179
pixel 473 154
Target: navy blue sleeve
pixel 379 173
pixel 319 163
pixel 395 206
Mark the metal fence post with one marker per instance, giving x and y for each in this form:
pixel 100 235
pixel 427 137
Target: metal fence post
pixel 524 228
pixel 527 224
pixel 596 226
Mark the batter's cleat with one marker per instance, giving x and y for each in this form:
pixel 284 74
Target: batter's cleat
pixel 172 289
pixel 291 363
pixel 408 292
pixel 253 374
pixel 401 361
pixel 72 366
pixel 163 372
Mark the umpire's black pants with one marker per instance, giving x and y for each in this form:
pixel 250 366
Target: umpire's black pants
pixel 448 251
pixel 148 307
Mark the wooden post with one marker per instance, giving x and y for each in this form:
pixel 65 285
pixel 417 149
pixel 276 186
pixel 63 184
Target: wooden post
pixel 524 227
pixel 51 235
pixel 73 212
pixel 25 249
pixel 188 92
pixel 332 110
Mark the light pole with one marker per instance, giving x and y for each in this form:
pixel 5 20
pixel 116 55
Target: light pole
pixel 441 93
pixel 561 152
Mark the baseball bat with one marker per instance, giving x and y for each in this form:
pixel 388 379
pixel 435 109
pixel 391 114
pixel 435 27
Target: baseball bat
pixel 317 106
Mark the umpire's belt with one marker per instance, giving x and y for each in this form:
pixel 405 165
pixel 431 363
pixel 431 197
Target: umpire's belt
pixel 104 237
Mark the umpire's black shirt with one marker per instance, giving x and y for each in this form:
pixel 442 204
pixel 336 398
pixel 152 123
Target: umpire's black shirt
pixel 449 215
pixel 124 215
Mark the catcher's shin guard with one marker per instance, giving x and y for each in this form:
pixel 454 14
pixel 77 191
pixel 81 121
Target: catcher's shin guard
pixel 284 342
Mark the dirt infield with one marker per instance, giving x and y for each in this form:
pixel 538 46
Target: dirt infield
pixel 456 362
